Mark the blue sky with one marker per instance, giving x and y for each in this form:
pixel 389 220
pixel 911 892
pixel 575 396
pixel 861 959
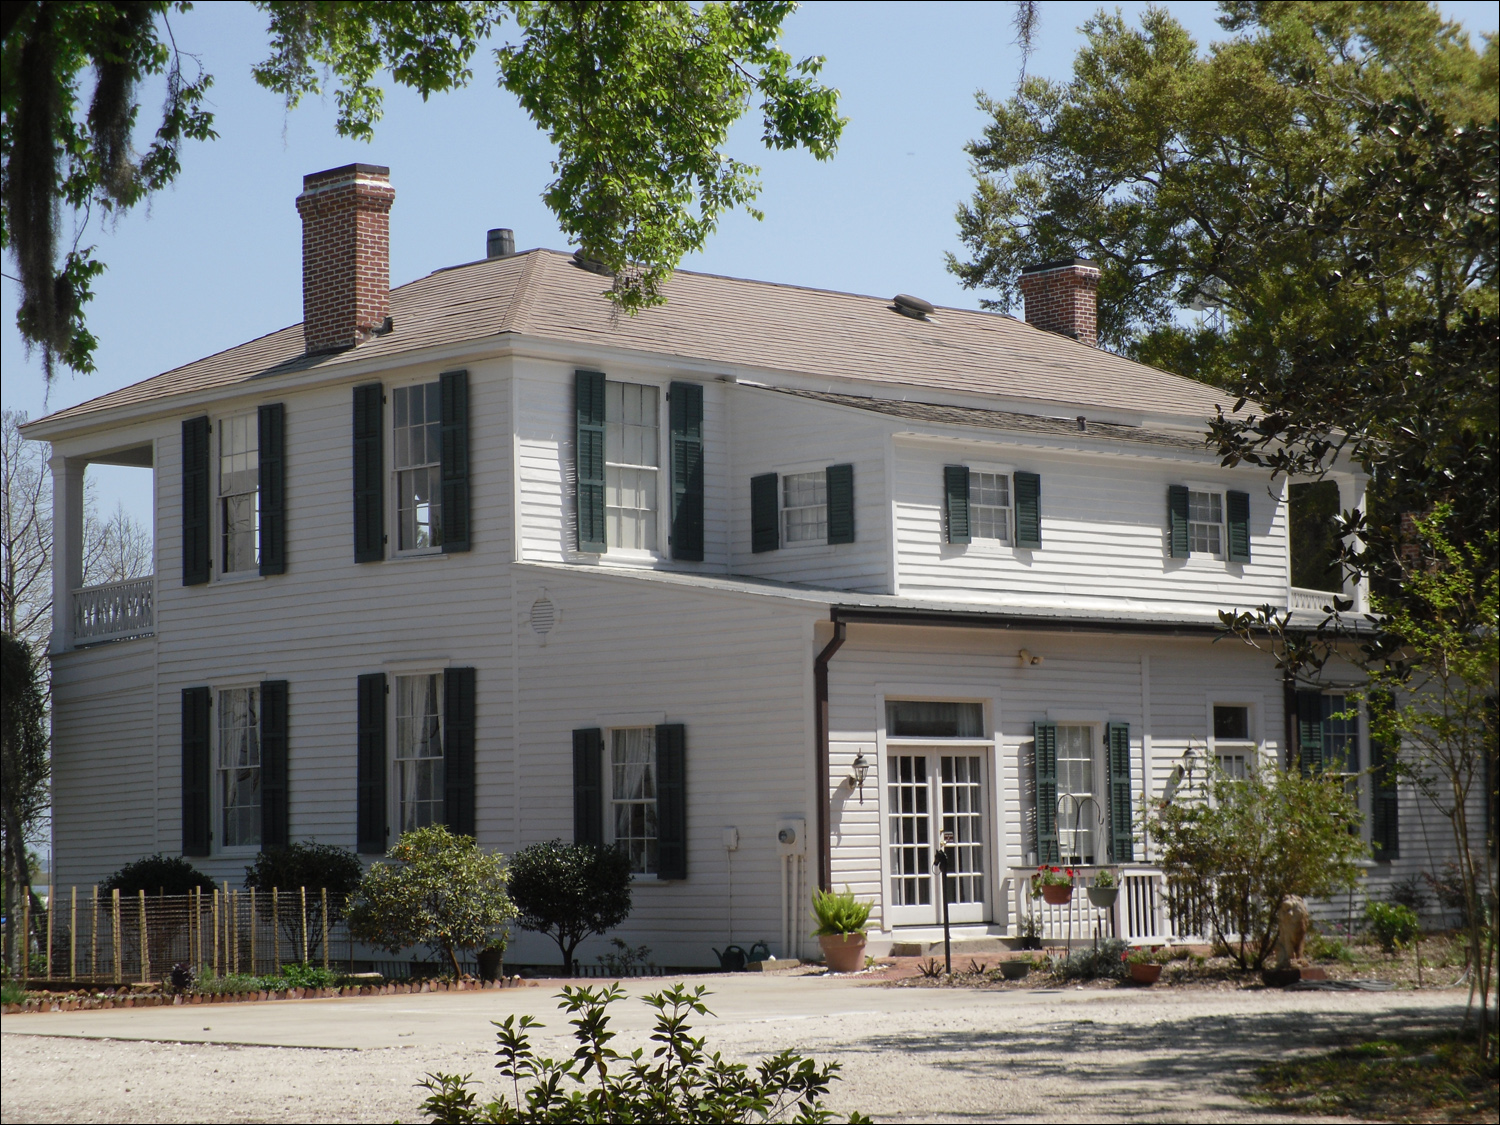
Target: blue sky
pixel 215 259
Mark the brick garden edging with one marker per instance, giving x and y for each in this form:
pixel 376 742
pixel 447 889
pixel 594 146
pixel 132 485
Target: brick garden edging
pixel 126 999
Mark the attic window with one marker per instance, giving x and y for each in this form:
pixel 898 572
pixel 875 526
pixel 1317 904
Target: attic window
pixel 914 307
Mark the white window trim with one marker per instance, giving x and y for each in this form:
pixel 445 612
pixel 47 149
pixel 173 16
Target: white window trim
pixel 1251 746
pixel 630 722
pixel 219 848
pixel 663 474
pixel 392 489
pixel 392 704
pixel 811 546
pixel 1097 722
pixel 216 551
pixel 989 547
pixel 1200 559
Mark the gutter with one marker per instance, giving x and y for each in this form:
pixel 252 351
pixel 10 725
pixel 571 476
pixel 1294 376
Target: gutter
pixel 820 694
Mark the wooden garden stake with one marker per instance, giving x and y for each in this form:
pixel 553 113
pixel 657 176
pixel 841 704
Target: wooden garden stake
pixel 51 903
pixel 276 927
pixel 253 918
pixel 145 944
pixel 215 921
pixel 234 915
pixel 73 935
pixel 114 935
pixel 94 937
pixel 304 925
pixel 325 929
pixel 26 933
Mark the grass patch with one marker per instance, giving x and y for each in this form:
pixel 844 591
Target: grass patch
pixel 1427 1079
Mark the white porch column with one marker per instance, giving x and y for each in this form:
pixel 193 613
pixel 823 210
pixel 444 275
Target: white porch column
pixel 67 545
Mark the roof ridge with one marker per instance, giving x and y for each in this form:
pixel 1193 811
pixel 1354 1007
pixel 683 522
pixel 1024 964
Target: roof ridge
pixel 522 298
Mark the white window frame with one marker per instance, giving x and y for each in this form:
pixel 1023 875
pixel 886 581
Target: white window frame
pixel 221 427
pixel 1247 749
pixel 396 760
pixel 651 866
pixel 393 475
pixel 220 818
pixel 1098 797
pixel 994 909
pixel 978 545
pixel 1212 490
pixel 655 548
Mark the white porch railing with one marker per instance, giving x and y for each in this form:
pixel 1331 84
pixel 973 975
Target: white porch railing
pixel 115 611
pixel 1308 601
pixel 1146 911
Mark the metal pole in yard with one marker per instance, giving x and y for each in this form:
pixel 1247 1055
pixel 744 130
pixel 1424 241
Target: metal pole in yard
pixel 325 929
pixel 51 902
pixel 114 935
pixel 25 933
pixel 304 925
pixel 94 936
pixel 942 859
pixel 145 944
pixel 253 917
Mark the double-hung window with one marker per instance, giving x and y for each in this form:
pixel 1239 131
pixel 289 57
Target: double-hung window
pixel 989 506
pixel 632 796
pixel 239 494
pixel 1206 523
pixel 419 751
pixel 417 460
pixel 992 505
pixel 239 767
pixel 804 508
pixel 632 465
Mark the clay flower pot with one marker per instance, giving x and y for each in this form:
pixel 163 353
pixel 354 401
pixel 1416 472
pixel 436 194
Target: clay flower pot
pixel 1103 897
pixel 843 953
pixel 1058 894
pixel 1144 972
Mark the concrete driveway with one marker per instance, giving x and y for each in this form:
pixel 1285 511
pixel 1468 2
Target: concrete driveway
pixel 908 1054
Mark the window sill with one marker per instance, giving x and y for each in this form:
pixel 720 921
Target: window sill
pixel 234 576
pixel 414 556
pixel 807 548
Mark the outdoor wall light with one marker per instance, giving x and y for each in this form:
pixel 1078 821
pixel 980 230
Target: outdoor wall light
pixel 1028 657
pixel 861 770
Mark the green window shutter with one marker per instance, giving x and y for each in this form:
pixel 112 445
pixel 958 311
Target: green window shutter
pixel 686 403
pixel 671 801
pixel 839 481
pixel 588 389
pixel 1310 730
pixel 1121 841
pixel 371 830
pixel 271 423
pixel 1385 828
pixel 458 751
pixel 275 821
pixel 369 474
pixel 956 503
pixel 197 771
pixel 1028 510
pixel 588 786
pixel 454 454
pixel 1237 516
pixel 765 513
pixel 1045 754
pixel 197 507
pixel 1177 520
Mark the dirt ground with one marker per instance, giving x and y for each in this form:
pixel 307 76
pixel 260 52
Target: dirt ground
pixel 908 1054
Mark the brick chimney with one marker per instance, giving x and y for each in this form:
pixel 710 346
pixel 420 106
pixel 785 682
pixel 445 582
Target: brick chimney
pixel 346 254
pixel 1063 297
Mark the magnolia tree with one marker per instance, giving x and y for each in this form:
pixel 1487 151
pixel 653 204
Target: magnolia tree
pixel 1233 848
pixel 570 891
pixel 434 889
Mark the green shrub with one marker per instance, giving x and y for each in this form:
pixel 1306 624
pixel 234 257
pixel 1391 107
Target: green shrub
pixel 158 874
pixel 11 992
pixel 839 913
pixel 317 867
pixel 1326 947
pixel 303 976
pixel 1394 926
pixel 1104 963
pixel 678 1083
pixel 230 984
pixel 435 889
pixel 570 891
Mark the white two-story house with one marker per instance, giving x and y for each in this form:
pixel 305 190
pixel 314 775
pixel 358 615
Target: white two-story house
pixel 768 586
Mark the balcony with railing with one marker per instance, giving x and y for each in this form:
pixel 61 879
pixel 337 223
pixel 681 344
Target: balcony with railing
pixel 116 611
pixel 1147 909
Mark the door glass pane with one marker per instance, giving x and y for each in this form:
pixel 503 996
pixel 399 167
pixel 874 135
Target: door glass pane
pixel 909 816
pixel 963 816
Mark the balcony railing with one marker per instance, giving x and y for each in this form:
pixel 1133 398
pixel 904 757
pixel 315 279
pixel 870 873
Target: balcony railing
pixel 114 612
pixel 1147 910
pixel 1309 601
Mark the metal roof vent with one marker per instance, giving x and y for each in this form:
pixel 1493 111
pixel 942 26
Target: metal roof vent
pixel 543 617
pixel 914 307
pixel 500 243
pixel 592 265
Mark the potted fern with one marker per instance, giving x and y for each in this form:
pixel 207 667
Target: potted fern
pixel 841 929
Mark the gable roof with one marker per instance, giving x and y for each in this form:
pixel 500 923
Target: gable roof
pixel 707 318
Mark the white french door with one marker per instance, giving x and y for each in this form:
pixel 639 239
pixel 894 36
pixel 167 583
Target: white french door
pixel 929 792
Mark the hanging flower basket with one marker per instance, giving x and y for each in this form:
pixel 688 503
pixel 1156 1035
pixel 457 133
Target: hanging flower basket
pixel 1103 897
pixel 1057 895
pixel 1053 884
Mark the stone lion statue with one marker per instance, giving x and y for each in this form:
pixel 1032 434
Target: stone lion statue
pixel 1292 921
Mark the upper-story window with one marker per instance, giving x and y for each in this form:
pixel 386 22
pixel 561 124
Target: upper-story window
pixel 804 508
pixel 992 505
pixel 1206 523
pixel 239 494
pixel 239 767
pixel 632 465
pixel 416 438
pixel 989 506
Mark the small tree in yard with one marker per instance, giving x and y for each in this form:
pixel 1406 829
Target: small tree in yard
pixel 570 891
pixel 158 874
pixel 1234 847
pixel 436 889
pixel 317 867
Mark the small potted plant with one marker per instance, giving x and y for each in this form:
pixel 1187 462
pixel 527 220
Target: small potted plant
pixel 1144 965
pixel 1053 884
pixel 841 929
pixel 1104 889
pixel 1015 969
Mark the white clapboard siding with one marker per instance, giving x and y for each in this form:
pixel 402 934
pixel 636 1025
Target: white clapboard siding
pixel 546 422
pixel 1104 539
pixel 736 671
pixel 779 434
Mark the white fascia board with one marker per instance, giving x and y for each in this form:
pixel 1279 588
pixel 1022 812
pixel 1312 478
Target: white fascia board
pixel 979 440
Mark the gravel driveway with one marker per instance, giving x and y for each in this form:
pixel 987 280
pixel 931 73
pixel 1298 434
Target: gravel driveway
pixel 909 1054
